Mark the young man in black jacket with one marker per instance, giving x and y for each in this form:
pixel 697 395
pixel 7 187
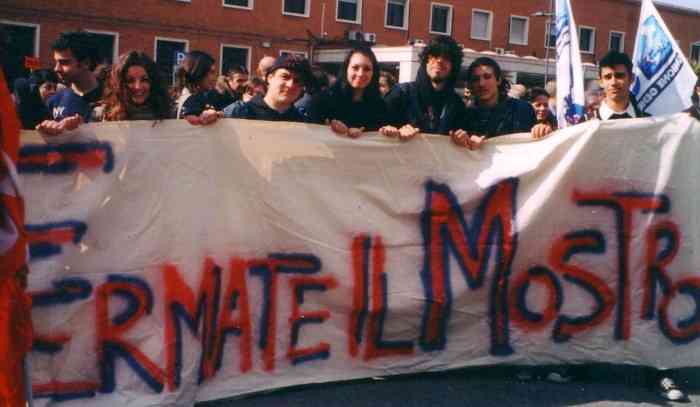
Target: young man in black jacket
pixel 285 84
pixel 429 104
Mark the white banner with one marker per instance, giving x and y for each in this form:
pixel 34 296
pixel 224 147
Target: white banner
pixel 173 263
pixel 664 80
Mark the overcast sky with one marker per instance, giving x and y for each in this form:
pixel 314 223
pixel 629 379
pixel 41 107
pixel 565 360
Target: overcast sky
pixel 694 4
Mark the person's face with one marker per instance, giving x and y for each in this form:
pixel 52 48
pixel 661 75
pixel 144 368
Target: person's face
pixel 139 84
pixel 248 94
pixel 359 71
pixel 237 82
pixel 484 84
pixel 438 68
pixel 209 81
pixel 47 89
pixel 67 67
pixel 467 94
pixel 284 86
pixel 541 106
pixel 383 85
pixel 616 83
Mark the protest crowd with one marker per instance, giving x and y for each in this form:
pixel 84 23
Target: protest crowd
pixel 359 99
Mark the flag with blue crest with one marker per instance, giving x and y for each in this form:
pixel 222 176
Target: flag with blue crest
pixel 663 77
pixel 570 94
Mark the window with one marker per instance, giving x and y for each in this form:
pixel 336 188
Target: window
pixel 519 27
pixel 617 41
pixel 107 46
pixel 23 42
pixel 233 56
pixel 295 7
pixel 349 11
pixel 440 18
pixel 695 52
pixel 481 24
pixel 169 53
pixel 246 4
pixel 586 39
pixel 551 35
pixel 302 54
pixel 396 14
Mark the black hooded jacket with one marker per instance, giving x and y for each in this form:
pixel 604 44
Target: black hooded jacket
pixel 419 104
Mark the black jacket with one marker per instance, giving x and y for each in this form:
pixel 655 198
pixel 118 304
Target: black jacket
pixel 257 109
pixel 329 105
pixel 406 106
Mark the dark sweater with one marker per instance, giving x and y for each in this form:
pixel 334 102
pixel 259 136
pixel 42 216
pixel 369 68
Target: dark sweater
pixel 507 117
pixel 257 109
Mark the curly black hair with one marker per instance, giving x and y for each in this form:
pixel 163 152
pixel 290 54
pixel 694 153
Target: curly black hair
pixel 444 46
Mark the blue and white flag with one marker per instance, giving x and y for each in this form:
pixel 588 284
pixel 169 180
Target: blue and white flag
pixel 570 96
pixel 664 78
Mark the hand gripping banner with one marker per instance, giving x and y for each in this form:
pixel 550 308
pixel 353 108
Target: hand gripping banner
pixel 173 263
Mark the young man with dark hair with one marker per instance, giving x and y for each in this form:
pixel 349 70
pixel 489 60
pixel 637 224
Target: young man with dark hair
pixel 286 79
pixel 75 54
pixel 430 103
pixel 615 77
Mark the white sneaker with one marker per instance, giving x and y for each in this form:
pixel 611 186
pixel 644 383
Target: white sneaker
pixel 670 390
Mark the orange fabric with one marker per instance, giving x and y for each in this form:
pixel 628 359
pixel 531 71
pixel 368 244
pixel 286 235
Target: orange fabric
pixel 15 304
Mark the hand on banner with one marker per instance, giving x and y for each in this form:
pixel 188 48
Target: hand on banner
pixel 541 130
pixel 56 128
pixel 207 117
pixel 463 139
pixel 405 133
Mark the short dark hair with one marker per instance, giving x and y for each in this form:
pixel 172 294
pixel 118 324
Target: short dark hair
pixel 444 46
pixel 614 58
pixel 486 61
pixel 695 98
pixel 82 44
pixel 536 92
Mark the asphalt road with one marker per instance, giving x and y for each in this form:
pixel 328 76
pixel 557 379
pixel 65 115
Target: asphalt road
pixel 600 385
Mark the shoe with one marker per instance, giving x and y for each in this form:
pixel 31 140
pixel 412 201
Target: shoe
pixel 558 377
pixel 670 390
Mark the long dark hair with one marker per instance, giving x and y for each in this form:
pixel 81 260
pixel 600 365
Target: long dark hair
pixel 116 99
pixel 503 88
pixel 193 69
pixel 342 86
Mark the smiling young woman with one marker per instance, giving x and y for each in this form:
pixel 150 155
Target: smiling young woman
pixel 353 104
pixel 135 91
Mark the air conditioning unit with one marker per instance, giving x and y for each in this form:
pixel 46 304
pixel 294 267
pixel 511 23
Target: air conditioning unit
pixel 355 36
pixel 370 37
pixel 500 51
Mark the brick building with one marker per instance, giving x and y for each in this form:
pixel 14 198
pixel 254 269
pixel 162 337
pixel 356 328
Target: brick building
pixel 240 32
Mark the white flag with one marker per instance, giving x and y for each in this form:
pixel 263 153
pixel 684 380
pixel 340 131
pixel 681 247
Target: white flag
pixel 570 96
pixel 664 78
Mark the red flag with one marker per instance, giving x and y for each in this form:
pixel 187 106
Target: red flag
pixel 15 304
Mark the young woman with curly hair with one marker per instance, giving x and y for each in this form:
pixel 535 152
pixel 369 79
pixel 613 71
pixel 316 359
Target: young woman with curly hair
pixel 135 91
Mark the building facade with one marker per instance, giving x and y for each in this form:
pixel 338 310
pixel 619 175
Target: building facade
pixel 240 32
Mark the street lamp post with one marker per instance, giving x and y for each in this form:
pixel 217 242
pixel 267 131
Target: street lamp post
pixel 547 32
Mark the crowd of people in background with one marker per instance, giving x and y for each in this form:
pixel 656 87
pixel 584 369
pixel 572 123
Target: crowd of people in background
pixel 362 96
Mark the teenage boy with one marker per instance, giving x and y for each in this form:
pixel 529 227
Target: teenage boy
pixel 75 55
pixel 286 79
pixel 615 77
